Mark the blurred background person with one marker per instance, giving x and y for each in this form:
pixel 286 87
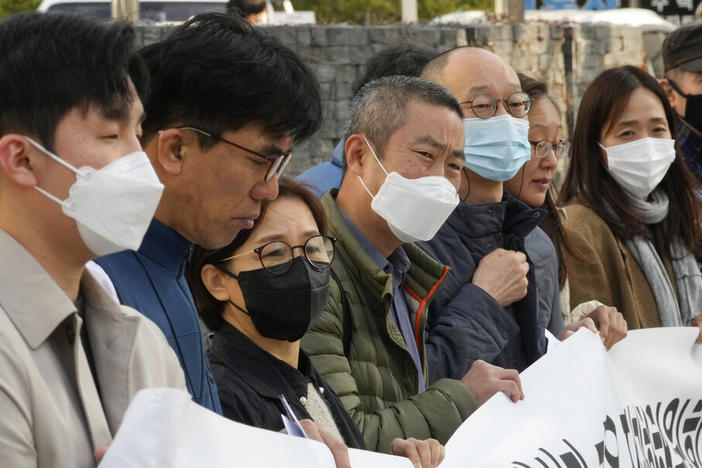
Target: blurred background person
pixel 629 205
pixel 253 11
pixel 682 61
pixel 403 58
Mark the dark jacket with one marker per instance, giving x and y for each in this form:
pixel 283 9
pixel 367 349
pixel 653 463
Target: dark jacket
pixel 362 354
pixel 250 381
pixel 466 323
pixel 151 280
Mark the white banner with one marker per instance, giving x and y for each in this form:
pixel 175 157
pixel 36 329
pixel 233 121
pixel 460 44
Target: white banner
pixel 640 405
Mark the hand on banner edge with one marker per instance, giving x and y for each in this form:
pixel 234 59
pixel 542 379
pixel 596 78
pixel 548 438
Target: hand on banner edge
pixel 99 454
pixel 338 448
pixel 422 453
pixel 484 380
pixel 697 322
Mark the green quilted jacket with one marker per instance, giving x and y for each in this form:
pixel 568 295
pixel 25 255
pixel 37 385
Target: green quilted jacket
pixel 368 365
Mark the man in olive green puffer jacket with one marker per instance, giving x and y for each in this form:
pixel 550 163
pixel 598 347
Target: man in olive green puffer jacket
pixel 369 342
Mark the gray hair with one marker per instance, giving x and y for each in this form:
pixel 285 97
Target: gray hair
pixel 378 108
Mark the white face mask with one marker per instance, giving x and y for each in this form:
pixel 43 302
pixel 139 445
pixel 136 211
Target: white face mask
pixel 414 209
pixel 113 206
pixel 639 166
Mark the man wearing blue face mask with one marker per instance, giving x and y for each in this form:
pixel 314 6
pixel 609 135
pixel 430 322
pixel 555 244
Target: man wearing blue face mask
pixel 494 305
pixel 404 154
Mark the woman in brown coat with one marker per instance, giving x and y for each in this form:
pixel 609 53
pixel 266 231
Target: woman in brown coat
pixel 630 210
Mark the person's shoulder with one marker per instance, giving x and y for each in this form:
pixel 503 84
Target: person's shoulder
pixel 583 224
pixel 14 356
pixel 578 217
pixel 538 243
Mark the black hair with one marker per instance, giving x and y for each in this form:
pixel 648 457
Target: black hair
pixel 402 58
pixel 209 308
pixel 218 73
pixel 51 63
pixel 246 7
pixel 552 223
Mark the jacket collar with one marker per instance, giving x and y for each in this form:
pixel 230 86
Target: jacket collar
pixel 166 247
pixel 265 373
pixel 477 221
pixel 338 154
pixel 508 216
pixel 422 279
pixel 520 218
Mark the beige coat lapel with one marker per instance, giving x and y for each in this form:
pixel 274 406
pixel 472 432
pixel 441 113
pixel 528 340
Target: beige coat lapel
pixel 112 336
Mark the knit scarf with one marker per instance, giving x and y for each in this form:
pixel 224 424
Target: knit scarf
pixel 672 312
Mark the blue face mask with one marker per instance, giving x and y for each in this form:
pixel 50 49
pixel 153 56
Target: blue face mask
pixel 496 148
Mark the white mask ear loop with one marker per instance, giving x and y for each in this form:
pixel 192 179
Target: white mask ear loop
pixel 379 163
pixel 58 160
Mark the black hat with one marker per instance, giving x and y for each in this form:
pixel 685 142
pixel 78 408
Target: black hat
pixel 682 48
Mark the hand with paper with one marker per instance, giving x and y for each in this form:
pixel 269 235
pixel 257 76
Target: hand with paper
pixel 484 380
pixel 637 405
pixel 422 453
pixel 697 322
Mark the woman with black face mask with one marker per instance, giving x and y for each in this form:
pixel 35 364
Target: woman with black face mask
pixel 259 295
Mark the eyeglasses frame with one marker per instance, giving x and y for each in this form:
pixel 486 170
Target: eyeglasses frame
pixel 496 101
pixel 565 144
pixel 278 163
pixel 259 249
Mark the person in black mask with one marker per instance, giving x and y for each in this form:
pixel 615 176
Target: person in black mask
pixel 260 294
pixel 682 60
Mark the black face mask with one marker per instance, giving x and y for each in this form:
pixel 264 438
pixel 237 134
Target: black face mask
pixel 282 307
pixel 693 107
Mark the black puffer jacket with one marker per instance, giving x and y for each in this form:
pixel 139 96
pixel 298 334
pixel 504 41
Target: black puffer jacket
pixel 250 380
pixel 466 323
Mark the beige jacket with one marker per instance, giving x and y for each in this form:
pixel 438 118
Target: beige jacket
pixel 51 414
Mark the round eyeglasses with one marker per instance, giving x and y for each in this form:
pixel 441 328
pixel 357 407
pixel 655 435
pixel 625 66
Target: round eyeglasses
pixel 277 257
pixel 276 162
pixel 543 148
pixel 484 106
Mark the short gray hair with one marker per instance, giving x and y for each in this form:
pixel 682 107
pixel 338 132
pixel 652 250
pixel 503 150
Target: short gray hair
pixel 675 74
pixel 378 108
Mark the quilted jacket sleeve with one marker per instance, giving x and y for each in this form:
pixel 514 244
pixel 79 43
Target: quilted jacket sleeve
pixel 435 413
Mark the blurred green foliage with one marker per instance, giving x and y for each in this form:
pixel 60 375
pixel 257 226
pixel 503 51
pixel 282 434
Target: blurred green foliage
pixel 8 7
pixel 383 11
pixel 334 11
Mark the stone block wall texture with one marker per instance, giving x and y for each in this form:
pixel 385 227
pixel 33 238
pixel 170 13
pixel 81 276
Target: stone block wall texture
pixel 567 56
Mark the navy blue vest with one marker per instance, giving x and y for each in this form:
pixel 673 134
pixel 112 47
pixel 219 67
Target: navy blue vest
pixel 151 281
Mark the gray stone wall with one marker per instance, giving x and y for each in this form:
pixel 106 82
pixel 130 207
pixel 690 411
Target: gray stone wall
pixel 566 56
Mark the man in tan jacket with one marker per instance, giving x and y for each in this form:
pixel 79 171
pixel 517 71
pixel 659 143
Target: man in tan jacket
pixel 74 185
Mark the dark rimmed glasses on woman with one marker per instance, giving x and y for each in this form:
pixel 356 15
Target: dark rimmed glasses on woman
pixel 276 257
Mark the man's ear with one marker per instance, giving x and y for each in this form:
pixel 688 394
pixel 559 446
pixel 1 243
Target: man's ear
pixel 213 280
pixel 669 92
pixel 16 157
pixel 169 150
pixel 355 149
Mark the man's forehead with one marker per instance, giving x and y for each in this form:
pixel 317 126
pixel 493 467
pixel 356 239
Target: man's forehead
pixel 480 72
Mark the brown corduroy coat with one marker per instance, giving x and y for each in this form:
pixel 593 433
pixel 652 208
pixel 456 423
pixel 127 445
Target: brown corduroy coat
pixel 610 273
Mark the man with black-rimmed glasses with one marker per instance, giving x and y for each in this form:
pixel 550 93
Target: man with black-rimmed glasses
pixel 227 103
